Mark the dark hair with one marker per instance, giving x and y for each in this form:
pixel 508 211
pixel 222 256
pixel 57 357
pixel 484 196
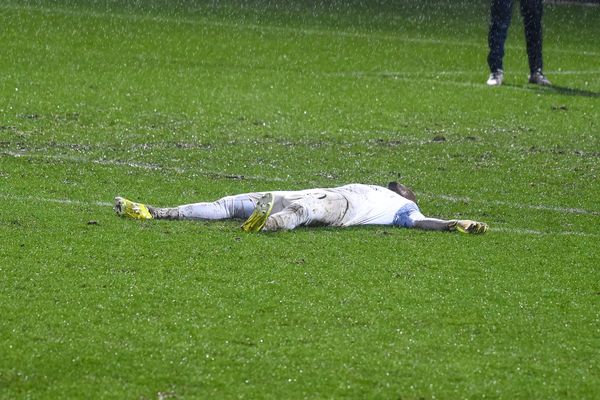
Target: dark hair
pixel 402 191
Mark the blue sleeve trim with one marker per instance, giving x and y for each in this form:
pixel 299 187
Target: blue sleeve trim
pixel 402 217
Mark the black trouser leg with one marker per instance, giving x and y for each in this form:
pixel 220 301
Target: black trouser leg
pixel 500 15
pixel 531 10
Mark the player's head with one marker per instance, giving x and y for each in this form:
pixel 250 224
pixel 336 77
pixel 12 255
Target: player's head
pixel 402 191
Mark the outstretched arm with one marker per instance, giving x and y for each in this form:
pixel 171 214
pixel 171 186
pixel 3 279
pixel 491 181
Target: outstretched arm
pixel 462 225
pixel 409 216
pixel 434 224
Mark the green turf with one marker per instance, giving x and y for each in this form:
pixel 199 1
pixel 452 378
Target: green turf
pixel 174 102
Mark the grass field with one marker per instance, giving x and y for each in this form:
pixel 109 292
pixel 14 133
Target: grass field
pixel 176 102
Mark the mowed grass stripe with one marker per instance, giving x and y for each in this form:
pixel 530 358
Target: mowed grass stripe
pixel 240 25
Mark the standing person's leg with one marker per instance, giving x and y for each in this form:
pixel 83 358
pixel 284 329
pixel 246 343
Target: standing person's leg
pixel 532 11
pixel 500 16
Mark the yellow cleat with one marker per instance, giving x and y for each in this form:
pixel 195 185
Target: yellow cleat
pixel 468 226
pixel 257 220
pixel 129 209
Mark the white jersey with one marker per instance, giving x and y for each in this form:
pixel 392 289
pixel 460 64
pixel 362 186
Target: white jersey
pixel 372 205
pixel 364 205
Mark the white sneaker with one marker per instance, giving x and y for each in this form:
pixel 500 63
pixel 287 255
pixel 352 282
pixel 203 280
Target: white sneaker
pixel 538 78
pixel 496 78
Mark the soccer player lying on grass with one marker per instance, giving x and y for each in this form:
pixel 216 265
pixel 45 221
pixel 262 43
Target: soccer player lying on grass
pixel 348 205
